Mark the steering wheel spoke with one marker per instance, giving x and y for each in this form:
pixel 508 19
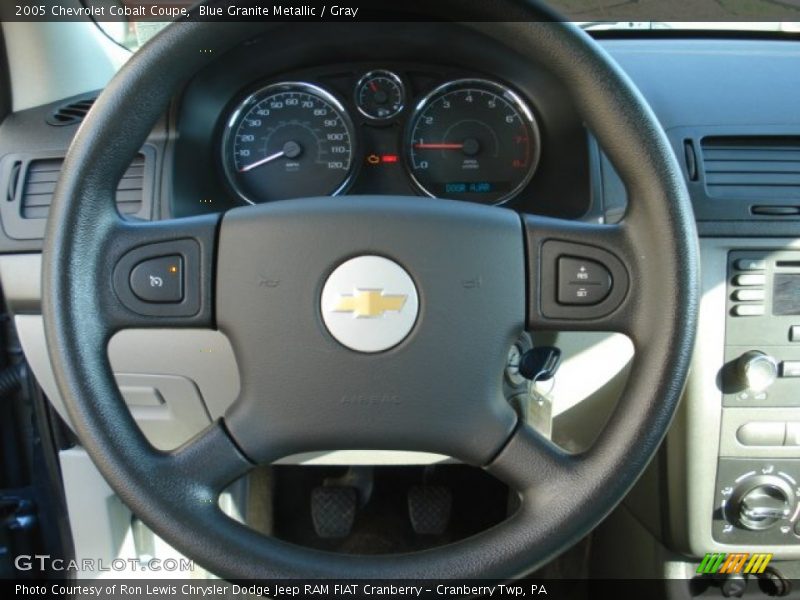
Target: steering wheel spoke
pixel 158 274
pixel 529 461
pixel 581 276
pixel 211 460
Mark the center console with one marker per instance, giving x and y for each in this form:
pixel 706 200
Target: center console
pixel 757 495
pixel 735 450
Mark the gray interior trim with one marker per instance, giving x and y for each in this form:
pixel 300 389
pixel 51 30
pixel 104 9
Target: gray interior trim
pixel 97 517
pixel 191 371
pixel 104 529
pixel 21 279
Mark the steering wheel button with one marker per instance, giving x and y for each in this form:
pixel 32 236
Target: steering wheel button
pixel 582 281
pixel 158 279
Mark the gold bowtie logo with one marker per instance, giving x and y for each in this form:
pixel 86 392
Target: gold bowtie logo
pixel 370 303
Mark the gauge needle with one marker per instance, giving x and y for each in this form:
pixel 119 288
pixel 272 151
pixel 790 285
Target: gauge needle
pixel 290 150
pixel 263 161
pixel 470 146
pixel 440 146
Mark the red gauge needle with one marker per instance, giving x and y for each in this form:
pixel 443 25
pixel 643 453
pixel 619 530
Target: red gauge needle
pixel 373 86
pixel 440 146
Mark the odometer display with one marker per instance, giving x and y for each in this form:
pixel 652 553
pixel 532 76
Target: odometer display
pixel 288 140
pixel 472 140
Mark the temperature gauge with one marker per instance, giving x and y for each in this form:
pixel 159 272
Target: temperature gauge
pixel 380 95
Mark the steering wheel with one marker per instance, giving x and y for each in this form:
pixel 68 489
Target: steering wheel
pixel 261 274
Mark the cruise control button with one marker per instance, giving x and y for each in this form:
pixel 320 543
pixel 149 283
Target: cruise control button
pixel 582 281
pixel 158 279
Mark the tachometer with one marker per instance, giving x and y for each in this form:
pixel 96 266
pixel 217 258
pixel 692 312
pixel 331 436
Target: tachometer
pixel 472 140
pixel 288 140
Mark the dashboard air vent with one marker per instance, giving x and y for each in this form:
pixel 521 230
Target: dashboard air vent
pixel 752 167
pixel 42 174
pixel 72 113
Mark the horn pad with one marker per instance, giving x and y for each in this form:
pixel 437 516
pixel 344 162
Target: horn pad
pixel 371 323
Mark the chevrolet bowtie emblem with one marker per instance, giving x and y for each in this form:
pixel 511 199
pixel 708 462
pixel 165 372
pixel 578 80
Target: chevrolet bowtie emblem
pixel 370 303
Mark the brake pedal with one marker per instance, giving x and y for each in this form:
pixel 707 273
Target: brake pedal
pixel 429 508
pixel 333 510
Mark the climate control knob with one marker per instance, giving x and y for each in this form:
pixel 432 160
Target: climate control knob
pixel 757 370
pixel 760 502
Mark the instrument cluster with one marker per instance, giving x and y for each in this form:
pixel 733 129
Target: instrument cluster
pixel 463 138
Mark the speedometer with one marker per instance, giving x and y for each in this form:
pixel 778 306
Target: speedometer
pixel 288 140
pixel 474 140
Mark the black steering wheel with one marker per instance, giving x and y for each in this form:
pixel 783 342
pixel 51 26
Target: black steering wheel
pixel 437 389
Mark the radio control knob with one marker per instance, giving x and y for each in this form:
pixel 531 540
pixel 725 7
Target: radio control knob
pixel 760 502
pixel 757 370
